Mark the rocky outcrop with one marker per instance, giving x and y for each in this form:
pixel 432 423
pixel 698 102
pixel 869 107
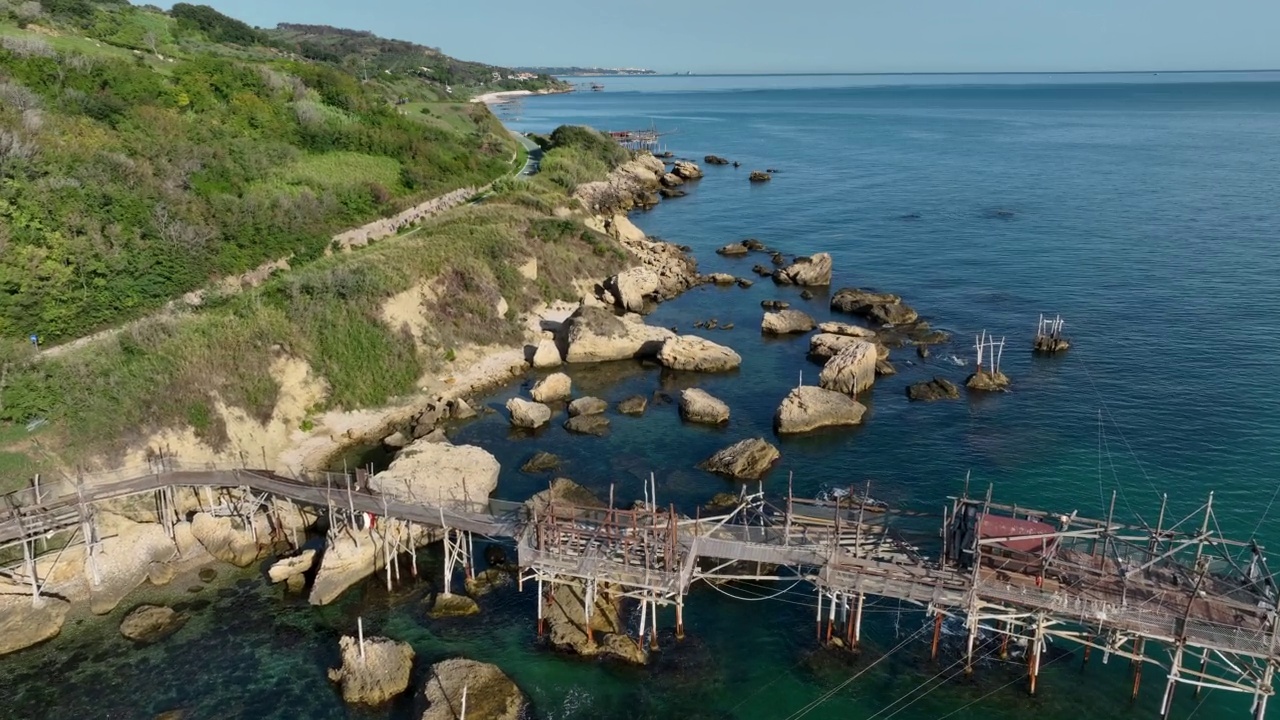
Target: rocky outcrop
pixel 671 180
pixel 22 623
pixel 351 555
pixel 687 170
pixel 759 177
pixel 436 473
pixel 786 322
pixel 451 606
pixel 824 346
pixel 490 695
pixel 733 249
pixel 597 425
pixel 879 308
pixel 634 405
pixel 540 462
pixel 721 279
pixel 935 389
pixel 634 289
pixel 688 352
pixel 147 624
pixel 618 192
pixel 546 355
pixel 884 368
pixel 988 381
pixel 375 674
pixel 603 636
pixel 715 160
pixel 562 490
pixel 839 328
pixel 488 581
pixel 552 388
pixel 587 406
pixel 286 568
pixel 227 539
pixel 594 334
pixel 808 408
pixel 812 271
pixel 1048 345
pixel 744 460
pixel 527 414
pixel 698 406
pixel 852 370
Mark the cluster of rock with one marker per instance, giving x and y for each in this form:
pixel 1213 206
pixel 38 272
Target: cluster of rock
pixel 988 381
pixel 374 673
pixel 875 307
pixel 715 160
pixel 747 459
pixel 757 176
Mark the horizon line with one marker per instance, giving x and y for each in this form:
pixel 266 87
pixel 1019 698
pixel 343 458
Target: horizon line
pixel 947 72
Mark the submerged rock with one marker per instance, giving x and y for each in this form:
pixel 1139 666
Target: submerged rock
pixel 552 388
pixel 988 381
pixel 715 160
pixel 812 271
pixel 147 624
pixel 786 322
pixel 733 249
pixel 935 389
pixel 24 623
pixel 747 459
pixel 452 606
pixel 699 406
pixel 487 581
pixel 759 177
pixel 597 425
pixel 377 675
pixel 692 353
pixel 634 405
pixel 490 694
pixel 587 406
pixel 808 408
pixel 852 370
pixel 540 462
pixel 527 414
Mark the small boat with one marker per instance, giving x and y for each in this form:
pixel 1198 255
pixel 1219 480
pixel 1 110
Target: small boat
pixel 596 87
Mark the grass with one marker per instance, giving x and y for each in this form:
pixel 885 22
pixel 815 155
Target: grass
pixel 337 169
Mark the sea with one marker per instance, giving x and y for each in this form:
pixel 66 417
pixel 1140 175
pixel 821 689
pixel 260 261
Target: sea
pixel 1142 209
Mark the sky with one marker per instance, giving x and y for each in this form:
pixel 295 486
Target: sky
pixel 726 36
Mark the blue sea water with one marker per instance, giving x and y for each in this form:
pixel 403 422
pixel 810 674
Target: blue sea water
pixel 1142 208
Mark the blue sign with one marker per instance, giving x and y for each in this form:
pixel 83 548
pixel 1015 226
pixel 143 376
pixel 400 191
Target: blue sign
pixel 35 339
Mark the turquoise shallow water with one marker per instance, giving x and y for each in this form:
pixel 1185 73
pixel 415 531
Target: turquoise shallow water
pixel 1140 208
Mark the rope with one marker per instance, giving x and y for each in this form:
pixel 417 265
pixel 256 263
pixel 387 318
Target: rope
pixel 757 598
pixel 970 704
pixel 939 674
pixel 831 693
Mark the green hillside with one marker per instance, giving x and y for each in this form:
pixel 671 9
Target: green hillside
pixel 144 153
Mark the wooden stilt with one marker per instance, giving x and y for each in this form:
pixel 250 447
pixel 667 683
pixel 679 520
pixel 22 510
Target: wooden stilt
pixel 1036 641
pixel 1204 663
pixel 644 608
pixel 541 610
pixel 653 626
pixel 831 617
pixel 1004 641
pixel 819 615
pixel 937 635
pixel 968 651
pixel 1137 669
pixel 1087 648
pixel 857 621
pixel 1166 703
pixel 680 617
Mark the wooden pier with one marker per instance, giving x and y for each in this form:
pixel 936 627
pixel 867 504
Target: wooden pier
pixel 1178 596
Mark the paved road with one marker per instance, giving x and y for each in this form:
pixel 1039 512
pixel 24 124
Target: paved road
pixel 533 164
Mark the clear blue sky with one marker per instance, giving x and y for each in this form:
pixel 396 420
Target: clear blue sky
pixel 815 35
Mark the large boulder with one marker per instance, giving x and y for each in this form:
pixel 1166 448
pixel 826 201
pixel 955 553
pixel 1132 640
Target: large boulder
pixel 568 625
pixel 758 176
pixel 290 567
pixel 851 370
pixel 147 624
pixel 562 491
pixel 733 249
pixel 699 406
pixel 987 380
pixel 688 352
pixel 375 674
pixel 671 180
pixel 879 308
pixel 634 288
pixel 812 271
pixel 597 425
pixel 748 459
pixel 428 472
pixel 587 406
pixel 839 328
pixel 687 170
pixel 129 550
pixel 227 539
pixel 634 405
pixel 552 388
pixel 808 408
pixel 715 160
pixel 786 322
pixel 527 414
pixel 351 555
pixel 935 389
pixel 490 695
pixel 595 334
pixel 24 623
pixel 824 346
pixel 546 355
pixel 541 461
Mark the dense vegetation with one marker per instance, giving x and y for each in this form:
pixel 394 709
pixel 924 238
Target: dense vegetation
pixel 144 153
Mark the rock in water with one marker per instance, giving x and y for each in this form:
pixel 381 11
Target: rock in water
pixel 722 279
pixel 759 177
pixel 715 160
pixel 880 308
pixel 22 623
pixel 224 540
pixel 597 425
pixel 734 249
pixel 670 180
pixel 808 408
pixel 287 567
pixel 687 170
pixel 488 581
pixel 812 271
pixel 634 288
pixel 552 388
pixel 745 460
pixel 884 368
pixel 547 355
pixel 935 389
pixel 490 694
pixel 433 472
pixel 852 370
pixel 824 346
pixel 634 405
pixel 838 328
pixel 460 409
pixel 540 462
pixel 452 606
pixel 562 491
pixel 786 322
pixel 526 414
pixel 146 624
pixel 774 304
pixel 587 406
pixel 594 334
pixel 379 675
pixel 1048 344
pixel 700 407
pixel 988 381
pixel 688 352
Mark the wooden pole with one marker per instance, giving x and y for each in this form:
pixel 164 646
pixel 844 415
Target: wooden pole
pixel 819 614
pixel 1137 668
pixel 680 616
pixel 1035 652
pixel 360 630
pixel 653 627
pixel 463 714
pixel 857 621
pixel 937 635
